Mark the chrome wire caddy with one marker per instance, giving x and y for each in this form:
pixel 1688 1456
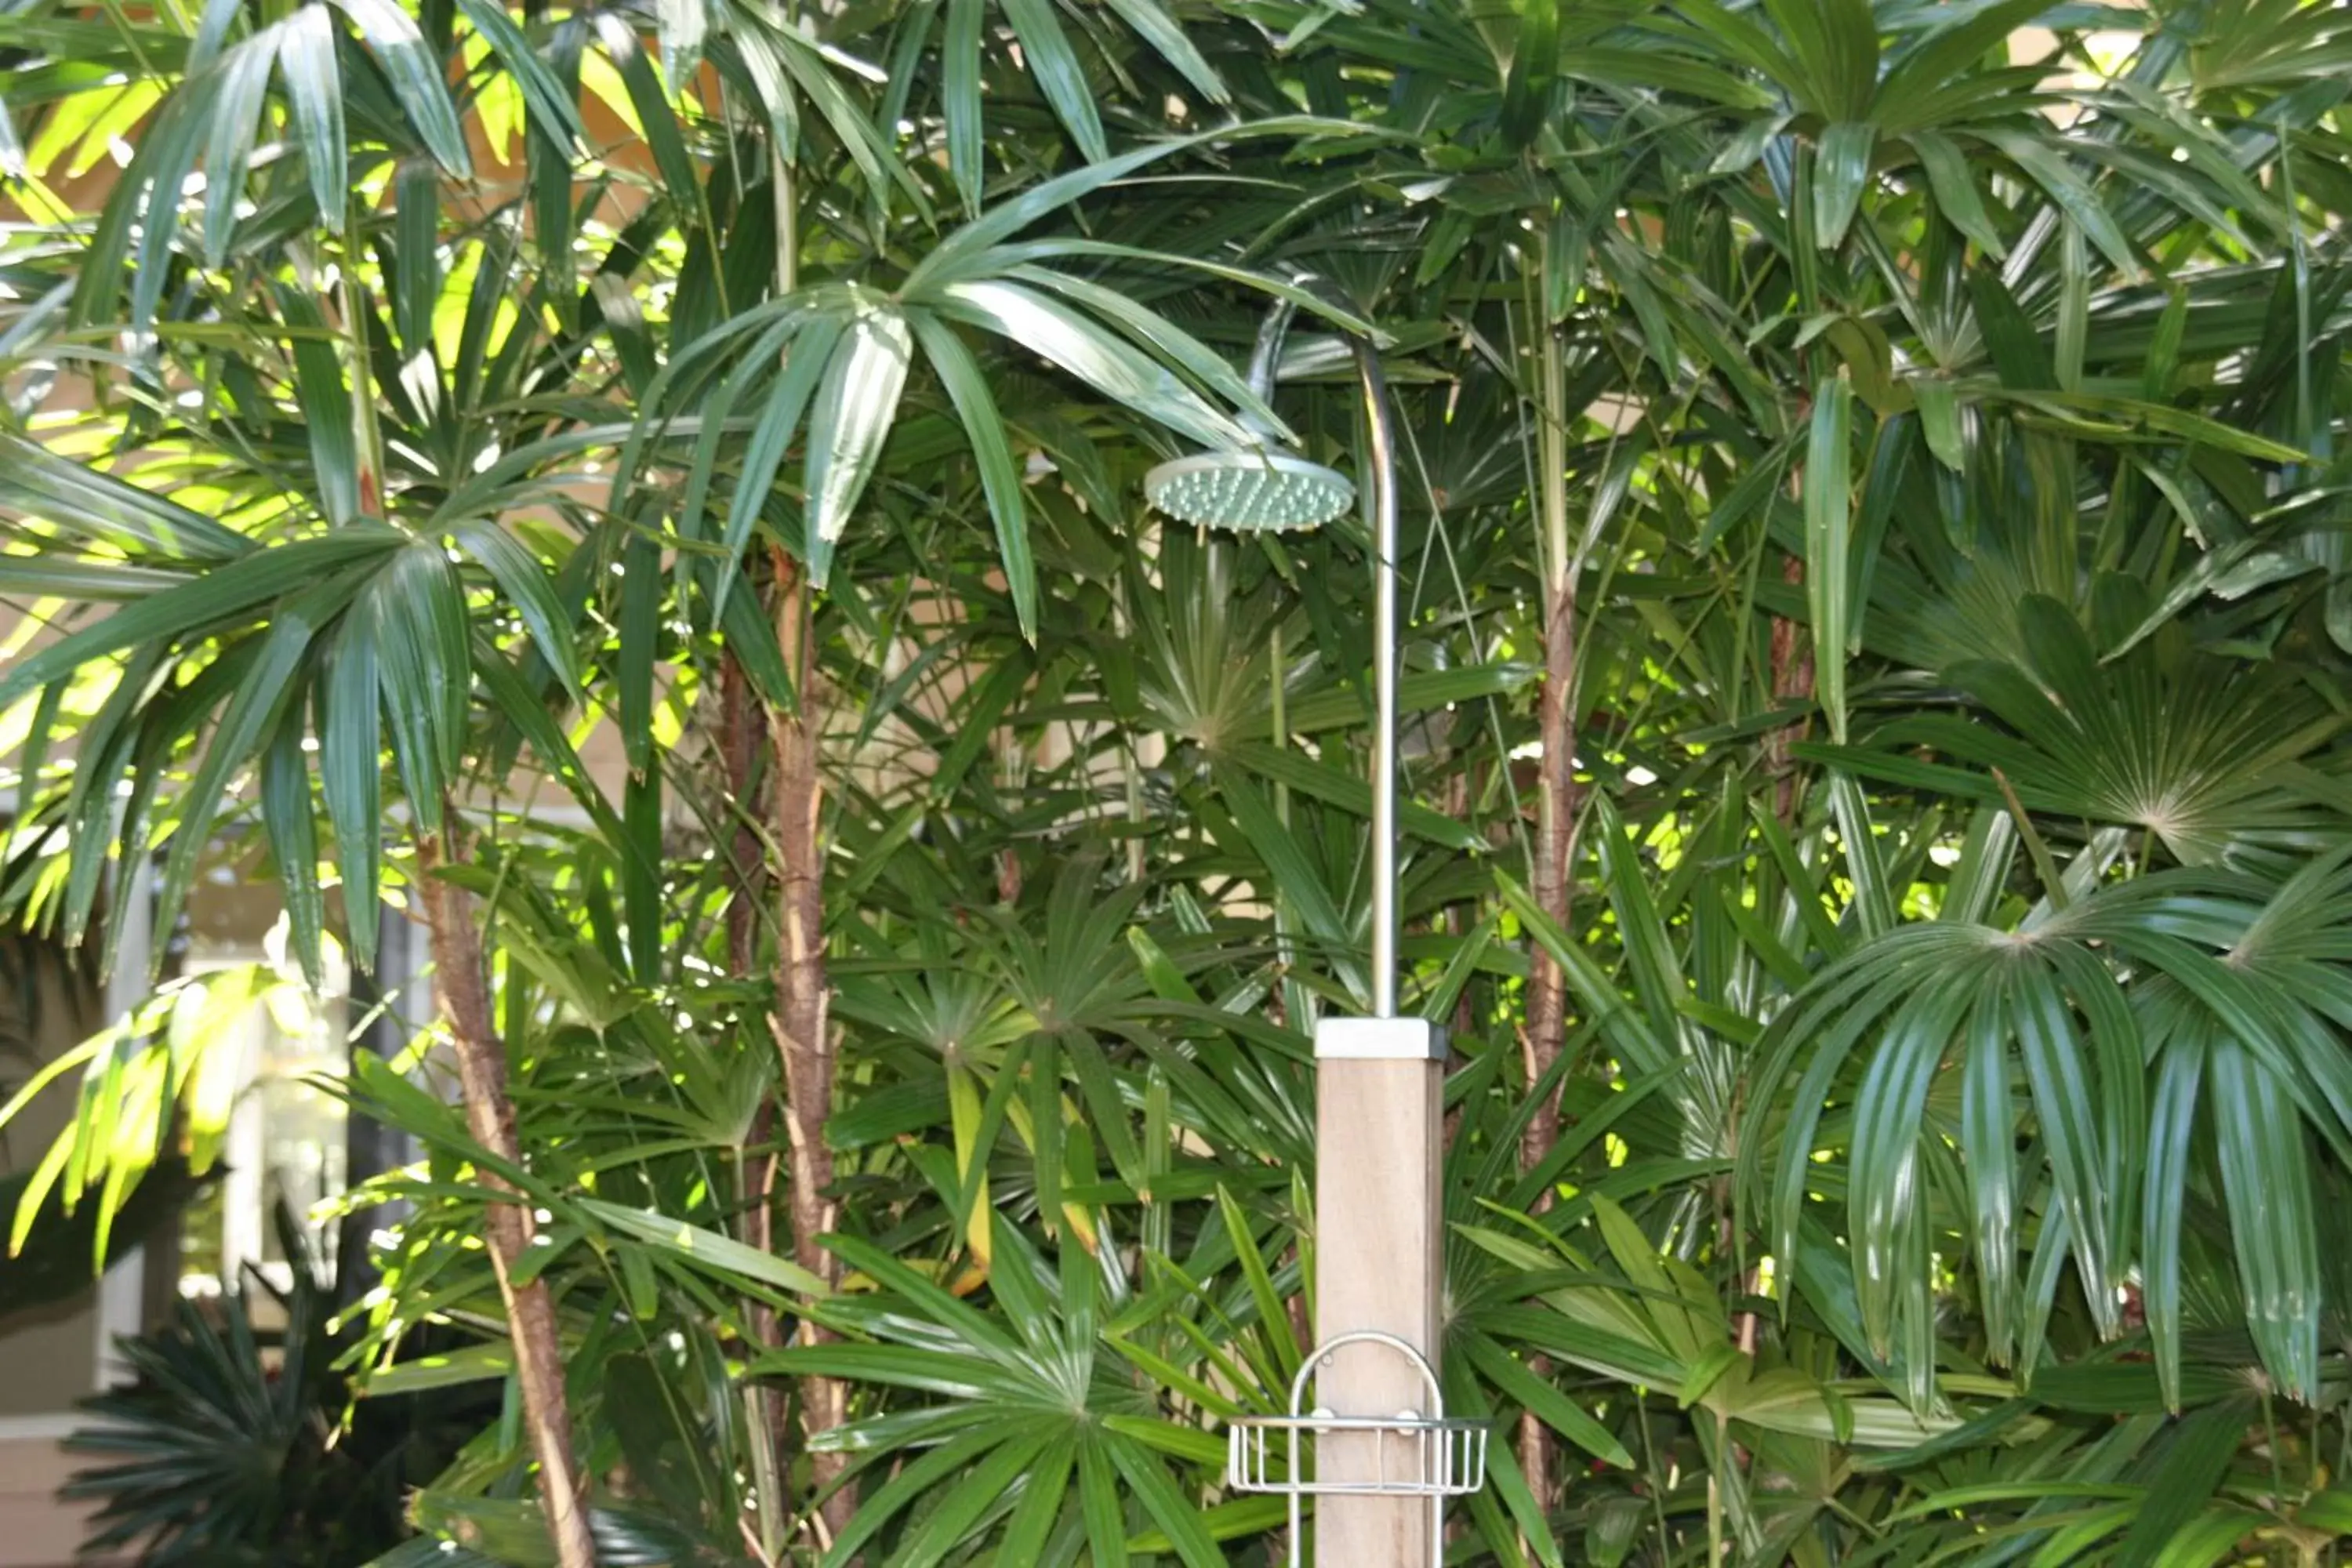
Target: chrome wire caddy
pixel 1413 1455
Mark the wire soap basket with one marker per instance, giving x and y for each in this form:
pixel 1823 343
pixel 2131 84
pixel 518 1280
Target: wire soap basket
pixel 1412 1455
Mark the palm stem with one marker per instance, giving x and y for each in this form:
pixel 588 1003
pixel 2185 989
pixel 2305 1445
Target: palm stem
pixel 464 989
pixel 800 1023
pixel 1546 1021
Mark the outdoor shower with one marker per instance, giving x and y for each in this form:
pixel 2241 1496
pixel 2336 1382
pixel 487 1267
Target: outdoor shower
pixel 1384 1457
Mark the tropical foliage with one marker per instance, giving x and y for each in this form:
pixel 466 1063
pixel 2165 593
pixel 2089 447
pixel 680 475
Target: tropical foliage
pixel 237 1442
pixel 1875 680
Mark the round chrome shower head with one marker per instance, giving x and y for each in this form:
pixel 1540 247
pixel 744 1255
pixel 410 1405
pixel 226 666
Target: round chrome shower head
pixel 1250 492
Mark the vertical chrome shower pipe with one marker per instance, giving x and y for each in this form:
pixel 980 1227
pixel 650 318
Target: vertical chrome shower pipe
pixel 1380 490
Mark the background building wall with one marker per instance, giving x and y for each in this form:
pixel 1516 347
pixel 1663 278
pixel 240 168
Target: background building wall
pixel 49 1357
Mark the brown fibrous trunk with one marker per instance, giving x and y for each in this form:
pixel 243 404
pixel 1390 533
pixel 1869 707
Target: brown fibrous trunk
pixel 802 1029
pixel 1547 1027
pixel 1792 682
pixel 742 739
pixel 463 983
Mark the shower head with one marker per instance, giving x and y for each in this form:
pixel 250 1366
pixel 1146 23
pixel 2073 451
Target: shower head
pixel 1249 493
pixel 1266 491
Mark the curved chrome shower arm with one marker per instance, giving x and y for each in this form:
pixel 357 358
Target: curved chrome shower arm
pixel 1267 357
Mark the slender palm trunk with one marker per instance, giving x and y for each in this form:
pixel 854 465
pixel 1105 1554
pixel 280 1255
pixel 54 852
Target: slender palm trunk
pixel 740 739
pixel 464 993
pixel 1791 675
pixel 1792 682
pixel 1555 848
pixel 803 1033
pixel 1554 891
pixel 1547 1029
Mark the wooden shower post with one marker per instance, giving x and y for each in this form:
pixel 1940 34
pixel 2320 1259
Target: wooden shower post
pixel 1379 1264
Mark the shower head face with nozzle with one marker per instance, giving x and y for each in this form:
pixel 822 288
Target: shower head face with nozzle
pixel 1249 493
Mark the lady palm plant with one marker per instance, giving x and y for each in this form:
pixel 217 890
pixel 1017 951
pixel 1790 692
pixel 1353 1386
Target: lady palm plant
pixel 435 418
pixel 230 1446
pixel 344 596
